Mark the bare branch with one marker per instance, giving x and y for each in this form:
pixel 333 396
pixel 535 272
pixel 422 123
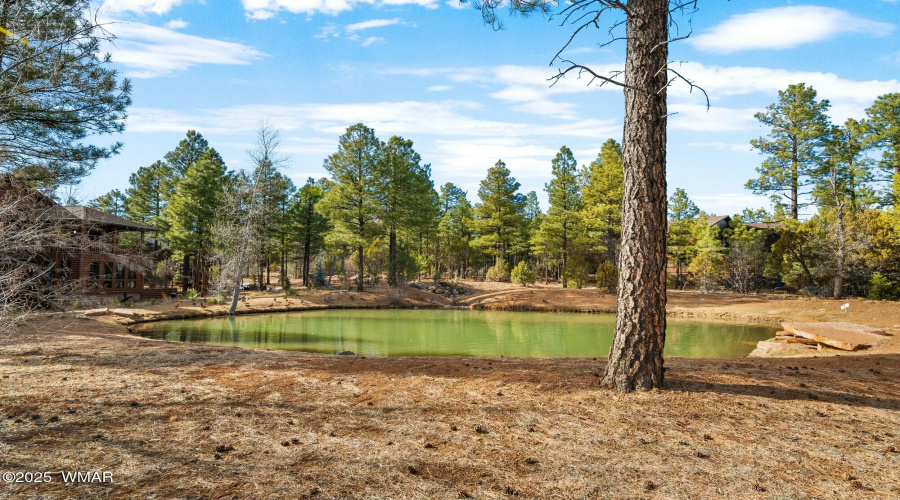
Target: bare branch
pixel 584 69
pixel 679 76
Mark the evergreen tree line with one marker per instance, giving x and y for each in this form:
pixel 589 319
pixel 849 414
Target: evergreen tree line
pixel 850 175
pixel 378 216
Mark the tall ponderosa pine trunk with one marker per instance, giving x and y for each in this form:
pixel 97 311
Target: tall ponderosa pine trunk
pixel 841 253
pixel 795 183
pixel 360 274
pixel 636 356
pixel 307 247
pixel 565 259
pixel 392 258
pixel 185 273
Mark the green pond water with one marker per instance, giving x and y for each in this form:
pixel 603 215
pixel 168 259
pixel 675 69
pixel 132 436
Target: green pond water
pixel 394 332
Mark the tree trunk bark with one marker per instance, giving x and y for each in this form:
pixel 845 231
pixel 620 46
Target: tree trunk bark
pixel 285 281
pixel 565 262
pixel 185 272
pixel 636 356
pixel 306 249
pixel 359 273
pixel 795 183
pixel 841 253
pixel 392 259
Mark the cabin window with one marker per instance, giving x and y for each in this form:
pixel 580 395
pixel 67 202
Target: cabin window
pixel 94 271
pixel 132 274
pixel 120 272
pixel 132 284
pixel 107 269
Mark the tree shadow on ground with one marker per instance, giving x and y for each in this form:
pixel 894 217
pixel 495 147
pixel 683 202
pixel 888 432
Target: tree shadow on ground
pixel 775 392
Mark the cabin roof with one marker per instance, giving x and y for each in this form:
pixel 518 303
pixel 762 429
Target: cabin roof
pixel 93 216
pixel 715 219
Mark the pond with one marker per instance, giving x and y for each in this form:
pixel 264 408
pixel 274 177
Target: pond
pixel 404 332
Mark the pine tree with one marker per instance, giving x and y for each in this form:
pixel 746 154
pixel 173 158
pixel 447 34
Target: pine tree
pixel 112 202
pixel 56 91
pixel 455 228
pixel 683 215
pixel 798 126
pixel 562 220
pixel 406 195
pixel 708 264
pixel 352 199
pixel 311 225
pixel 636 356
pixel 839 181
pixel 601 198
pixel 188 152
pixel 192 211
pixel 884 123
pixel 150 191
pixel 283 227
pixel 500 216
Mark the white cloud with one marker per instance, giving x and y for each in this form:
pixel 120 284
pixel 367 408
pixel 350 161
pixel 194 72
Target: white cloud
pixel 561 110
pixel 371 40
pixel 439 88
pixel 697 118
pixel 327 31
pixel 472 157
pixel 408 118
pixel 373 23
pixel 528 88
pixel 784 27
pixel 849 98
pixel 140 6
pixel 736 147
pixel 260 14
pixel 148 51
pixel 456 4
pixel 519 93
pixel 176 24
pixel 264 9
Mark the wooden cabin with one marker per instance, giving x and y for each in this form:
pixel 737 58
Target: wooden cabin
pixel 90 251
pixel 115 257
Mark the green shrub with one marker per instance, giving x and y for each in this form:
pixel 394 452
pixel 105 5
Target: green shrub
pixel 192 294
pixel 577 272
pixel 319 276
pixel 497 273
pixel 214 301
pixel 152 302
pixel 290 292
pixel 882 288
pixel 607 275
pixel 522 274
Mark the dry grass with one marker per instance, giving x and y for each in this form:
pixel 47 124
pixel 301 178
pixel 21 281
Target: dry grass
pixel 185 421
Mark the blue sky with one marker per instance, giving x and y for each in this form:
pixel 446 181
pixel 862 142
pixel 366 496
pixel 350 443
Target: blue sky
pixel 432 72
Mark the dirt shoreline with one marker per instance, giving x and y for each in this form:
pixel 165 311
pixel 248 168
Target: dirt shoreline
pixel 175 420
pixel 770 309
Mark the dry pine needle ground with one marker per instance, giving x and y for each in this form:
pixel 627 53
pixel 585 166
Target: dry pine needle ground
pixel 182 421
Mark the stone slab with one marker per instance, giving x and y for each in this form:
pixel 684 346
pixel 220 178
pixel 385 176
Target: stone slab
pixel 845 336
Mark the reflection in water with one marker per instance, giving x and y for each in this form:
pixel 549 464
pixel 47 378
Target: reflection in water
pixel 452 333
